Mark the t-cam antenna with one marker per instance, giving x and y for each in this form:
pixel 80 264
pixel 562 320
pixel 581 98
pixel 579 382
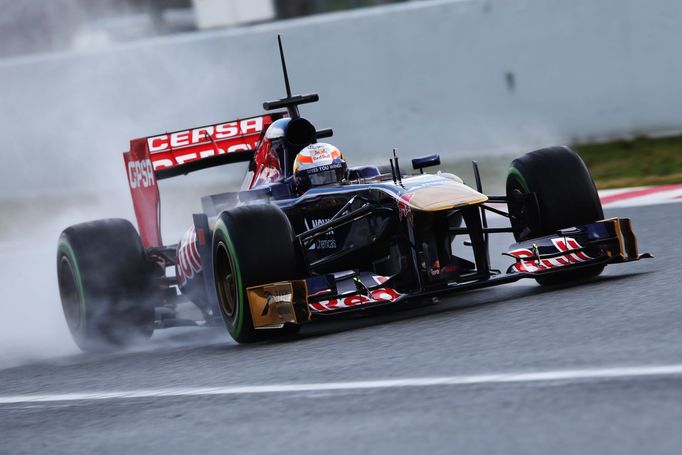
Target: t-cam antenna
pixel 291 102
pixel 284 66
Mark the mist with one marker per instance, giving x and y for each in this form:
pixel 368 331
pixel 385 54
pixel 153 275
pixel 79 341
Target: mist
pixel 32 325
pixel 65 120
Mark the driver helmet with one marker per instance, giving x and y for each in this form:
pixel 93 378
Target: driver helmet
pixel 319 164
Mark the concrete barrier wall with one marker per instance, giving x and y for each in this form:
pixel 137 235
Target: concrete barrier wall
pixel 457 77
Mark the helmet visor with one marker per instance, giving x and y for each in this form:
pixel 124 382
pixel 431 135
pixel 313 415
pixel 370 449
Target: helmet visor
pixel 324 175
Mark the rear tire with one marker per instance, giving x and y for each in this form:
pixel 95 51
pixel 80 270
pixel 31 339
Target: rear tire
pixel 252 245
pixel 566 197
pixel 105 284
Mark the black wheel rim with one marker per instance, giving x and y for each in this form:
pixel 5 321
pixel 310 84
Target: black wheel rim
pixel 69 292
pixel 225 280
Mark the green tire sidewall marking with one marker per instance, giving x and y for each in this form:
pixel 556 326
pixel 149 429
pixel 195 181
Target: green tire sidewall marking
pixel 65 248
pixel 521 179
pixel 220 226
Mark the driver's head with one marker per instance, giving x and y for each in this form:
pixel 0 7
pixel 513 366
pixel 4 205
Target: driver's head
pixel 319 164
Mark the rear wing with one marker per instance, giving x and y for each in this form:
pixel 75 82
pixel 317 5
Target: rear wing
pixel 180 152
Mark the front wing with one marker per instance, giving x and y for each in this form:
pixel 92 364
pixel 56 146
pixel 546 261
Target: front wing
pixel 603 242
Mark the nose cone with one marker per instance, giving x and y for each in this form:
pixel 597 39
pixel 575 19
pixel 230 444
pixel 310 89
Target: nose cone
pixel 443 195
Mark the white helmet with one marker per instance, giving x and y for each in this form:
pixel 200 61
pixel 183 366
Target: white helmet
pixel 319 164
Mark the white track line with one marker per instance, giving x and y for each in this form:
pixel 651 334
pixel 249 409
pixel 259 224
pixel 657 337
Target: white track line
pixel 533 377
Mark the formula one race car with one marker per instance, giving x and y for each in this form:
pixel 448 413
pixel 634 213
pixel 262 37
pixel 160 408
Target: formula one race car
pixel 308 238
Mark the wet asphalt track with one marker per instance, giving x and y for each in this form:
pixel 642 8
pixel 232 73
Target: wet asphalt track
pixel 630 317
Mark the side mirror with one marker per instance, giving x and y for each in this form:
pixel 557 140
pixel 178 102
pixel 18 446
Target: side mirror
pixel 421 162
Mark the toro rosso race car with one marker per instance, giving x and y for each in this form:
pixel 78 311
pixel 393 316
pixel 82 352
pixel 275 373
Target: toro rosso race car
pixel 306 237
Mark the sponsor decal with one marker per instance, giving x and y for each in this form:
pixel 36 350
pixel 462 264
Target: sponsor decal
pixel 165 160
pixel 198 135
pixel 171 149
pixel 321 155
pixel 404 206
pixel 328 242
pixel 141 174
pixel 271 300
pixel 324 168
pixel 188 261
pixel 376 295
pixel 528 263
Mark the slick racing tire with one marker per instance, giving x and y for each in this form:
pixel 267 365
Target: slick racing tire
pixel 252 245
pixel 106 285
pixel 566 197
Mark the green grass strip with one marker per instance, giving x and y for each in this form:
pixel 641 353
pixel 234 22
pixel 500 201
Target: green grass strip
pixel 641 161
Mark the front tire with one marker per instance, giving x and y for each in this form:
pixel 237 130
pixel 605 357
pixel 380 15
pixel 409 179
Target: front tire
pixel 252 245
pixel 105 284
pixel 566 197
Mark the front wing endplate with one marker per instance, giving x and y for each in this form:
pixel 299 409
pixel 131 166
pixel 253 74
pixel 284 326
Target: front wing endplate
pixel 275 304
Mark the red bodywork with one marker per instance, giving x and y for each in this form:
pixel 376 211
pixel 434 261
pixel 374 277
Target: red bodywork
pixel 147 155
